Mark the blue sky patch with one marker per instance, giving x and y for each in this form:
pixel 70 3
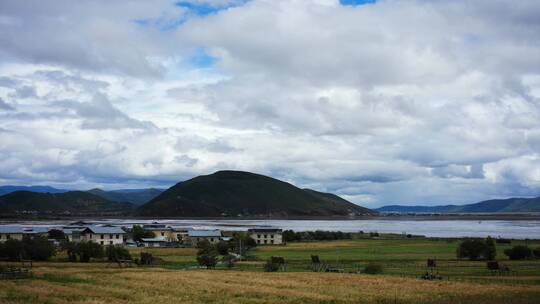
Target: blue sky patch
pixel 201 59
pixel 356 2
pixel 205 9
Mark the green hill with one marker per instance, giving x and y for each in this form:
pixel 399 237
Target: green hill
pixel 67 203
pixel 134 196
pixel 233 193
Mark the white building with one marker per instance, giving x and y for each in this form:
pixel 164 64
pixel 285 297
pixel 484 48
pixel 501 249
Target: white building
pixel 103 235
pixel 196 236
pixel 15 232
pixel 266 236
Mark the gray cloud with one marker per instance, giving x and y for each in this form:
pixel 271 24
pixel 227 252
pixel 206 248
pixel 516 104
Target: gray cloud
pixel 395 102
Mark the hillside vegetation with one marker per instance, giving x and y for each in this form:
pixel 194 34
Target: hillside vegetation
pixel 232 193
pixel 67 203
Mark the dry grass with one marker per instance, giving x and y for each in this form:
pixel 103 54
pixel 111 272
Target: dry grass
pixel 99 284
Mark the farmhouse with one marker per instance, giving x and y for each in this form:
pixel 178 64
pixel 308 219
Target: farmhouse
pixel 170 234
pixel 8 232
pixel 266 236
pixel 104 235
pixel 195 236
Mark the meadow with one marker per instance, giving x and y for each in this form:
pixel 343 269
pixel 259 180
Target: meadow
pixel 177 280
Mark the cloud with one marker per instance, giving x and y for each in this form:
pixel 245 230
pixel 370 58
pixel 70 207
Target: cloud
pixel 5 106
pixel 389 102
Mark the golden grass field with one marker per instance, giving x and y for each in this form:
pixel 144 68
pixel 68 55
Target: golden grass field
pixel 99 283
pixel 58 281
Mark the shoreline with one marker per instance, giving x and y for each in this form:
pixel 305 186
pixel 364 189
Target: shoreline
pixel 386 217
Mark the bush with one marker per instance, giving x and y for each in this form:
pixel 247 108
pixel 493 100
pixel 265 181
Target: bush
pixel 536 252
pixel 146 258
pixel 373 268
pixel 519 252
pixel 12 250
pixel 223 248
pixel 117 252
pixel 373 234
pixel 207 254
pixel 88 250
pixel 229 260
pixel 84 251
pixel 37 248
pixel 472 249
pixel 270 267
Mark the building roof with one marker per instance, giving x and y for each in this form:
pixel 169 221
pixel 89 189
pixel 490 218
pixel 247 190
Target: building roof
pixel 265 230
pixel 105 229
pixel 23 229
pixel 204 233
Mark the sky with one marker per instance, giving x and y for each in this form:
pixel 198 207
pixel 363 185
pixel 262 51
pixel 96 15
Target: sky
pixel 381 102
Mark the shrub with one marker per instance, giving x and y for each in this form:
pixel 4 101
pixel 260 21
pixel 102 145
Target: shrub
pixel 270 267
pixel 12 250
pixel 373 234
pixel 519 252
pixel 38 248
pixel 207 254
pixel 472 249
pixel 56 234
pixel 117 252
pixel 536 252
pixel 146 258
pixel 88 250
pixel 223 248
pixel 373 268
pixel 229 260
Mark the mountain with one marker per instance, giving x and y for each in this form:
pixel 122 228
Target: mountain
pixel 67 203
pixel 233 193
pixel 42 189
pixel 490 206
pixel 134 196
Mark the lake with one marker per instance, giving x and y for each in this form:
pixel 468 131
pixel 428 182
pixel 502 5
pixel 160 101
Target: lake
pixel 518 229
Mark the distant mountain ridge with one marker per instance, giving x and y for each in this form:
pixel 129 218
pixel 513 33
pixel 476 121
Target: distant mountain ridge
pixel 41 189
pixel 509 205
pixel 66 203
pixel 234 193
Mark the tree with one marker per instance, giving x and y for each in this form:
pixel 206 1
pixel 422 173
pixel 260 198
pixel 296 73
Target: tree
pixel 223 248
pixel 57 234
pixel 490 251
pixel 12 250
pixel 519 252
pixel 536 252
pixel 38 248
pixel 289 236
pixel 139 233
pixel 115 253
pixel 250 242
pixel 207 254
pixel 472 249
pixel 88 250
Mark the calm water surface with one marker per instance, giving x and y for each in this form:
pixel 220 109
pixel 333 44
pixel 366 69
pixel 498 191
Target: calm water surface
pixel 519 229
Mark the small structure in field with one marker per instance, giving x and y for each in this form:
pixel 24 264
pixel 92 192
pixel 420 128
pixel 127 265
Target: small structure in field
pixel 496 267
pixel 155 242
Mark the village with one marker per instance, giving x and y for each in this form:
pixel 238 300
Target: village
pixel 155 234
